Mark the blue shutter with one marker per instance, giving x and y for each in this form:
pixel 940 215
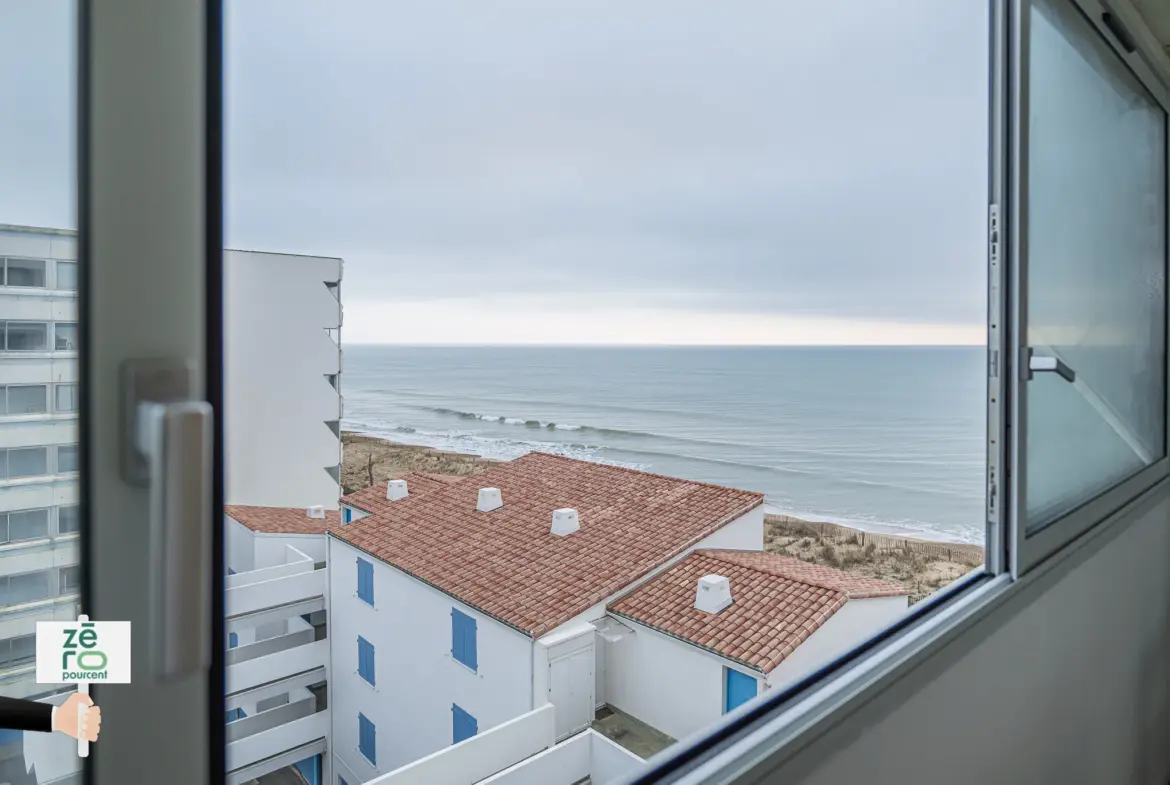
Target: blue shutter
pixel 463 725
pixel 366 660
pixel 365 581
pixel 367 739
pixel 233 640
pixel 463 640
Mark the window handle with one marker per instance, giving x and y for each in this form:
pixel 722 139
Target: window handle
pixel 168 449
pixel 1041 364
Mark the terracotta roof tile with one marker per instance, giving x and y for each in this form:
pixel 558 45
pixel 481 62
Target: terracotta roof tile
pixel 775 605
pixel 373 498
pixel 508 564
pixel 282 520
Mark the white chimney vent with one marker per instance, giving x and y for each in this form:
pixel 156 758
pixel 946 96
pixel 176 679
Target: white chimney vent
pixel 565 522
pixel 489 499
pixel 713 593
pixel 395 490
pixel 316 511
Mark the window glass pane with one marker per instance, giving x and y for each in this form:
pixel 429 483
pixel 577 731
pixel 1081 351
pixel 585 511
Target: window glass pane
pixel 67 275
pixel 68 518
pixel 28 462
pixel 27 336
pixel 28 525
pixel 31 399
pixel 1096 267
pixel 70 579
pixel 26 272
pixel 29 587
pixel 20 650
pixel 66 458
pixel 66 334
pixel 66 398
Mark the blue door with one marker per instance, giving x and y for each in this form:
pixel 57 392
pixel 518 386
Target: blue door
pixel 738 688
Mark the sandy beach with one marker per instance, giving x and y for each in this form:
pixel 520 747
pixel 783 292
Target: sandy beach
pixel 921 566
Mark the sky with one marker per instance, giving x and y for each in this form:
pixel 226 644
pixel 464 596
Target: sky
pixel 585 171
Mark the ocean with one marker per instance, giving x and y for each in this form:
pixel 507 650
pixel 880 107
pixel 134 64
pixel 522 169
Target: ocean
pixel 886 439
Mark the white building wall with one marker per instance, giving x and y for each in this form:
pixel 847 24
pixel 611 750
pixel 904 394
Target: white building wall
pixel 852 624
pixel 745 533
pixel 283 331
pixel 417 678
pixel 240 542
pixel 670 685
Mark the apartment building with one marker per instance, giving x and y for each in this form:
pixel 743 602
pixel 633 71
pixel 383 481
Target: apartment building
pixel 283 406
pixel 39 553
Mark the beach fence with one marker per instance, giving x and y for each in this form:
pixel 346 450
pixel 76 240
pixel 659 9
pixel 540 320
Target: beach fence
pixel 837 534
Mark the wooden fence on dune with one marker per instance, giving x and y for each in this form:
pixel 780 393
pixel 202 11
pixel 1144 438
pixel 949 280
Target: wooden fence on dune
pixel 835 533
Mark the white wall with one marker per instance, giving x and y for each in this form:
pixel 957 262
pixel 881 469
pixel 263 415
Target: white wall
pixel 270 548
pixel 417 679
pixel 240 542
pixel 1068 682
pixel 670 685
pixel 278 400
pixel 745 533
pixel 852 624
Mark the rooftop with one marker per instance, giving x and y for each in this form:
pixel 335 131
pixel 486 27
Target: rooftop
pixel 373 498
pixel 777 603
pixel 282 520
pixel 510 566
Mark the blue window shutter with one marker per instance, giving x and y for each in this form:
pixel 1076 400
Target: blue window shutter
pixel 233 640
pixel 470 651
pixel 456 636
pixel 463 725
pixel 367 739
pixel 366 660
pixel 365 581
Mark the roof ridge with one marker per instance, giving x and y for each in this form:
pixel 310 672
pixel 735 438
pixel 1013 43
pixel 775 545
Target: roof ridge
pixel 639 471
pixel 781 573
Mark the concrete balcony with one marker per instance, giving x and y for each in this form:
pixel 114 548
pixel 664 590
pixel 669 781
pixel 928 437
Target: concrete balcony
pixel 276 738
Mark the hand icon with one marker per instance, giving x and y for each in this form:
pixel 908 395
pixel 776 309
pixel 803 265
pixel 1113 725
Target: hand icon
pixel 65 719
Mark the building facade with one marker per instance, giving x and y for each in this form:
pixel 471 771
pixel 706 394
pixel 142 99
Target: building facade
pixel 283 406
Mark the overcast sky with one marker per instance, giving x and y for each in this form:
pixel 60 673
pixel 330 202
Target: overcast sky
pixel 588 171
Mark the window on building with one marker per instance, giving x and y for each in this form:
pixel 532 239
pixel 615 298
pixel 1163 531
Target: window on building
pixel 18 650
pixel 65 398
pixel 27 462
pixel 738 689
pixel 365 581
pixel 346 515
pixel 463 639
pixel 341 780
pixel 68 518
pixel 67 276
pixel 463 725
pixel 25 399
pixel 24 272
pixel 26 336
pixel 233 640
pixel 66 458
pixel 27 525
pixel 27 587
pixel 367 739
pixel 70 580
pixel 366 660
pixel 65 334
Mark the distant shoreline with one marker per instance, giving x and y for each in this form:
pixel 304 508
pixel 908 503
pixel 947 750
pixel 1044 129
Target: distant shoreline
pixel 393 459
pixel 922 566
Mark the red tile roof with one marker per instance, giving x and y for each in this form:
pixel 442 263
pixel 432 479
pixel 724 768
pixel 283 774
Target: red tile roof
pixel 509 565
pixel 777 603
pixel 373 498
pixel 282 520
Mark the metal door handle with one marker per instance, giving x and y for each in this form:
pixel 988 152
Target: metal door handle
pixel 1041 364
pixel 168 449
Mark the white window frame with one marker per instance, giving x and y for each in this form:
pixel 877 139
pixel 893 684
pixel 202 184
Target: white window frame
pixel 45 262
pixel 57 278
pixel 6 413
pixel 50 457
pixel 777 737
pixel 48 335
pixel 56 388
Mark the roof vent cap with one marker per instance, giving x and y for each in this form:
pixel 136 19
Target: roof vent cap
pixel 489 499
pixel 713 593
pixel 316 511
pixel 395 490
pixel 565 522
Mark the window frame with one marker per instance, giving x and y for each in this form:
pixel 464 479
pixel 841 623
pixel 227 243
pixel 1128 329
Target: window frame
pixel 57 387
pixel 1028 549
pixel 7 515
pixel 77 336
pixel 7 407
pixel 57 275
pixel 57 458
pixel 776 736
pixel 48 333
pixel 7 471
pixel 44 271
